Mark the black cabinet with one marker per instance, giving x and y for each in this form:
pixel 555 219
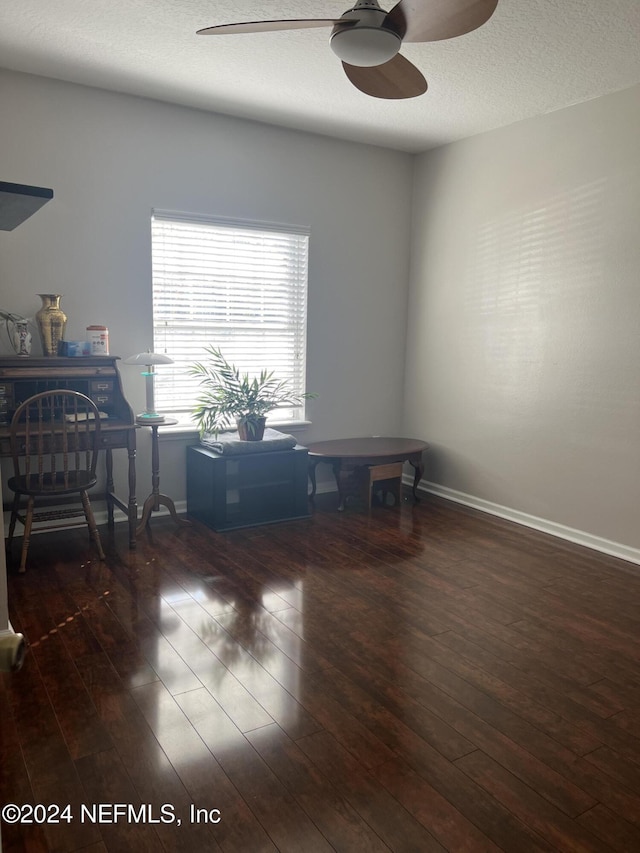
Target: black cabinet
pixel 226 492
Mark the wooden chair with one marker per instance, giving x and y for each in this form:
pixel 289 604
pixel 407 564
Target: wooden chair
pixel 55 437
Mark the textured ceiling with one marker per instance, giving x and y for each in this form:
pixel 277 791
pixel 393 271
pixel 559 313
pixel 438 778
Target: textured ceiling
pixel 532 57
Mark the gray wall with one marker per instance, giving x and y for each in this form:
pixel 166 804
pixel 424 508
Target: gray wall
pixel 523 350
pixel 522 299
pixel 111 158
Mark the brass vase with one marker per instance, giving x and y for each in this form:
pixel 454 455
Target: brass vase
pixel 51 321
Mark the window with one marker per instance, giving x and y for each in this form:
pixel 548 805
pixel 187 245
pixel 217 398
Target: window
pixel 239 286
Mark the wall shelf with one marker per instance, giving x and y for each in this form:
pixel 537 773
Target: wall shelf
pixel 18 202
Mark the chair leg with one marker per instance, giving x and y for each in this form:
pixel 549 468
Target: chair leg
pixel 396 491
pixel 93 528
pixel 27 535
pixel 14 518
pixel 392 487
pixel 366 487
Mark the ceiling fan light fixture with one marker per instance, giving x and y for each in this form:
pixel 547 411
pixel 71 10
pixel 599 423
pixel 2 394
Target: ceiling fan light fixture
pixel 368 39
pixel 365 46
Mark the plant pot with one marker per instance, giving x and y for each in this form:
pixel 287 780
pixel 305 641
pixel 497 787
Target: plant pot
pixel 251 430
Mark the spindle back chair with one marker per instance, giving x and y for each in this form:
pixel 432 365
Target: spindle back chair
pixel 55 438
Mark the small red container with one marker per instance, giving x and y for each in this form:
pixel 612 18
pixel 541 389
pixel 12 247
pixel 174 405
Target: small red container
pixel 98 337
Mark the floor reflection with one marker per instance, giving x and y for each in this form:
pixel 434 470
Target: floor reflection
pixel 247 659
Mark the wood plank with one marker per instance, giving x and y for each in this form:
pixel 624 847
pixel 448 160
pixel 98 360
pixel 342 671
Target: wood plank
pixel 418 678
pixel 208 784
pixel 106 781
pixel 543 817
pixel 333 815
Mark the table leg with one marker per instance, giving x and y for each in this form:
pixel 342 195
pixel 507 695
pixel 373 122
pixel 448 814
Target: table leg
pixel 153 503
pixel 312 476
pixel 110 487
pixel 341 479
pixel 155 499
pixel 418 467
pixel 132 506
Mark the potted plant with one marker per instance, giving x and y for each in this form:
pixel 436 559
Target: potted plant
pixel 228 395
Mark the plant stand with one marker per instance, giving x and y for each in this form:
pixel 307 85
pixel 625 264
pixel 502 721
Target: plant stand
pixel 229 491
pixel 155 499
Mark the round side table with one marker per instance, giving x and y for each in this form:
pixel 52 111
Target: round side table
pixel 155 499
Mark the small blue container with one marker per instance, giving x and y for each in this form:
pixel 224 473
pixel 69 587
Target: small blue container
pixel 74 349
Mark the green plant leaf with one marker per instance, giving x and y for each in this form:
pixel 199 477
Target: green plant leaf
pixel 227 395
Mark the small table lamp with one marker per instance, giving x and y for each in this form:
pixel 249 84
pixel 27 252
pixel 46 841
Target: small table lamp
pixel 149 360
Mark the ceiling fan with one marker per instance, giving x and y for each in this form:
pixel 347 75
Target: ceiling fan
pixel 367 39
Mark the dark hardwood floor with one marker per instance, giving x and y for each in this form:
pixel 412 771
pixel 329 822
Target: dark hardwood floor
pixel 418 679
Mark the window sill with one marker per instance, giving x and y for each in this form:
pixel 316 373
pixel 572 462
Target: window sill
pixel 183 432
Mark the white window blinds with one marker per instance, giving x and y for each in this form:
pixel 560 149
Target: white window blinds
pixel 239 286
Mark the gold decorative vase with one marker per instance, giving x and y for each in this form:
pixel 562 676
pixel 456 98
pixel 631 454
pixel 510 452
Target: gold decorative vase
pixel 51 321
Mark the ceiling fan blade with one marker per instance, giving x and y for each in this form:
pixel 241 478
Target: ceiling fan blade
pixel 271 26
pixel 433 20
pixel 393 80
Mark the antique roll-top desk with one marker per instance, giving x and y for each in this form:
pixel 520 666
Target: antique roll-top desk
pixel 96 377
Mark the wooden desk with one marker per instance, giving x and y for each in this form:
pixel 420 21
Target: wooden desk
pixel 96 377
pixel 346 454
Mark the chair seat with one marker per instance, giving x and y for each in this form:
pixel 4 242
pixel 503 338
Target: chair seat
pixel 387 478
pixel 56 484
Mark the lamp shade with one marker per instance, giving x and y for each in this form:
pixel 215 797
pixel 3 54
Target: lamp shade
pixel 149 360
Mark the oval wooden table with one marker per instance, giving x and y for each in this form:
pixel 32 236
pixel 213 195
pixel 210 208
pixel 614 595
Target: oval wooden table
pixel 346 454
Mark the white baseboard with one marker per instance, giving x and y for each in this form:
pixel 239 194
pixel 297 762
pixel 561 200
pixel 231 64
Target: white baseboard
pixel 579 537
pixel 119 516
pixel 7 632
pixel 570 534
pixel 101 517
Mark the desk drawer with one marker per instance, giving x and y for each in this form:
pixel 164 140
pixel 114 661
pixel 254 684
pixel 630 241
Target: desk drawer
pixel 6 403
pixel 102 386
pixel 101 392
pixel 102 399
pixel 114 438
